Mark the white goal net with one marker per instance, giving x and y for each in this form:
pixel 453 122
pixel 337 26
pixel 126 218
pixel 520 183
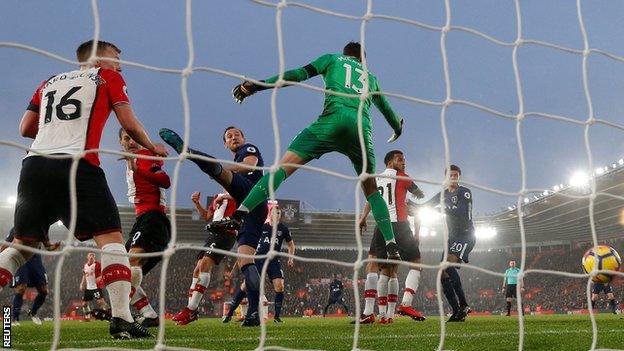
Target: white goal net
pixel 446 93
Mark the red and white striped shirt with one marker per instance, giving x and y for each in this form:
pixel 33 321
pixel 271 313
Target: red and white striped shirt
pixel 73 108
pixel 146 185
pixel 394 193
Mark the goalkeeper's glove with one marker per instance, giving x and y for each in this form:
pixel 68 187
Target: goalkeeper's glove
pixel 243 90
pixel 397 133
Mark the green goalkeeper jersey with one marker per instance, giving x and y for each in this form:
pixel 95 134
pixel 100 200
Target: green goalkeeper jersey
pixel 344 74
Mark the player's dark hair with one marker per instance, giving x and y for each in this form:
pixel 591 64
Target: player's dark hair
pixel 453 168
pixel 232 127
pixel 84 50
pixel 353 48
pixel 390 155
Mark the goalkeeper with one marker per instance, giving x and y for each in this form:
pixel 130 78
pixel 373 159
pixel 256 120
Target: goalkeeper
pixel 336 129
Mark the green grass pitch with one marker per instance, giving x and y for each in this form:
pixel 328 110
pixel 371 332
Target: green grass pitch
pixel 559 332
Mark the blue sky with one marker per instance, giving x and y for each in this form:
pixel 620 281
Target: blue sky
pixel 240 36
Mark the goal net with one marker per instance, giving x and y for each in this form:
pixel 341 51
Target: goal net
pixel 506 89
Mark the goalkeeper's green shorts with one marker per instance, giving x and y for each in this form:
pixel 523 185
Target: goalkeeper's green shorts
pixel 338 132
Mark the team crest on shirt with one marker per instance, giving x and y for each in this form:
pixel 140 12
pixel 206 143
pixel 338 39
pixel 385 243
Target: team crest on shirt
pixel 467 195
pixel 251 149
pixel 454 199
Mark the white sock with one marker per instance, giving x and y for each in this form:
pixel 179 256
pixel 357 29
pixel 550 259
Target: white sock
pixel 382 294
pixel 370 293
pixel 393 292
pixel 411 286
pixel 192 288
pixel 119 288
pixel 200 287
pixel 140 300
pixel 10 261
pixel 264 303
pixel 243 307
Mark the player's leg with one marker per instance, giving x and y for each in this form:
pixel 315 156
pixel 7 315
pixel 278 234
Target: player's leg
pixel 393 295
pixel 239 296
pixel 18 301
pixel 382 293
pixel 195 276
pixel 86 307
pixel 612 302
pixel 370 286
pixel 508 299
pixel 211 167
pixel 449 293
pixel 260 192
pixel 278 287
pixel 594 298
pixel 456 284
pixel 408 248
pixel 42 293
pixel 329 303
pixel 11 259
pixel 252 283
pixel 138 297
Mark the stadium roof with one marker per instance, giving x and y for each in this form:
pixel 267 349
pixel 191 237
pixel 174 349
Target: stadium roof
pixel 565 215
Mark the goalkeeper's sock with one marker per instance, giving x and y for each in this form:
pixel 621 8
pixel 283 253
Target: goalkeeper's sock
pixel 370 293
pixel 457 285
pixel 252 283
pixel 449 292
pixel 279 299
pixel 382 216
pixel 200 288
pixel 411 286
pixel 260 192
pixel 39 300
pixel 382 290
pixel 393 296
pixel 508 307
pixel 116 274
pixel 10 261
pixel 18 300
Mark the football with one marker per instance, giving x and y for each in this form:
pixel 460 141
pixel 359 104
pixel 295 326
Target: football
pixel 601 257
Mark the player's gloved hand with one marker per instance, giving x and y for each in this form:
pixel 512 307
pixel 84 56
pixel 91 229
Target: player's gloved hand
pixel 242 91
pixel 397 133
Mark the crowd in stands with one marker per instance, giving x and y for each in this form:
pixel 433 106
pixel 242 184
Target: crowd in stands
pixel 307 283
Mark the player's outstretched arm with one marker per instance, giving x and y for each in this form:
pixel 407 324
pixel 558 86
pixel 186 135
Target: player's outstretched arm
pixel 362 221
pixel 291 251
pixel 382 104
pixel 247 88
pixel 135 129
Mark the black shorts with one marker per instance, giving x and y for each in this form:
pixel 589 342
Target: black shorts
pixel 92 294
pixel 407 243
pixel 511 291
pixel 32 273
pixel 605 288
pixel 43 197
pixel 221 241
pixel 151 232
pixel 249 233
pixel 461 247
pixel 274 269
